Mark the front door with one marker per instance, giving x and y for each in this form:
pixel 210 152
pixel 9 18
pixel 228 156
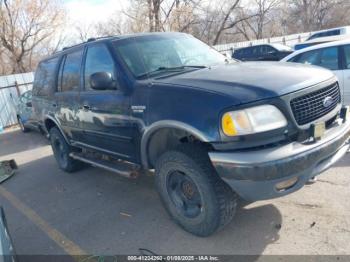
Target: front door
pixel 105 114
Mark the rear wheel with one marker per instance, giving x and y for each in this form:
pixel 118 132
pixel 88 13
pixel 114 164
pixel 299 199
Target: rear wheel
pixel 191 191
pixel 21 125
pixel 61 150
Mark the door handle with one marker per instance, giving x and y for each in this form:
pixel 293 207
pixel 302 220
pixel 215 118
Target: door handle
pixel 86 107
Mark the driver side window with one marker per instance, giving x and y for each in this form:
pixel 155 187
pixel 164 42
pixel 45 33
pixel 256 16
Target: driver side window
pixel 98 59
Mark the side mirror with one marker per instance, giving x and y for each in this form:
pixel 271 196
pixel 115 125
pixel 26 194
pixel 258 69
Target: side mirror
pixel 102 81
pixel 29 104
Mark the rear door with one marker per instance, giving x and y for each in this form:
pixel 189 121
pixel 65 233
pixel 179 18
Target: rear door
pixel 105 114
pixel 68 93
pixel 44 88
pixel 346 74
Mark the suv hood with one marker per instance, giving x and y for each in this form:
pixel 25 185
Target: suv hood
pixel 251 81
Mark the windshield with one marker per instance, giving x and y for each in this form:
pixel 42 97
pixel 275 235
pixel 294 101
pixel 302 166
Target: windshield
pixel 154 53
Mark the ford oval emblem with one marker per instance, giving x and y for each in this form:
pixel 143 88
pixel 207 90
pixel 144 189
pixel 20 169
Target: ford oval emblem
pixel 328 101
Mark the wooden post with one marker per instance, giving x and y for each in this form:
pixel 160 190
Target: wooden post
pixel 17 89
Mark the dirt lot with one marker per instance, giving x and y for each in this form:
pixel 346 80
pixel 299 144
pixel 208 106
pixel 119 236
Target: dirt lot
pixel 97 212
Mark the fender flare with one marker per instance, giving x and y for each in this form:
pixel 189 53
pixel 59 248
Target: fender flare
pixel 149 131
pixel 48 117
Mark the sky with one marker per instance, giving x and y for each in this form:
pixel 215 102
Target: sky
pixel 86 12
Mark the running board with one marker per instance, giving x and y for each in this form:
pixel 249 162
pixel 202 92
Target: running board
pixel 121 168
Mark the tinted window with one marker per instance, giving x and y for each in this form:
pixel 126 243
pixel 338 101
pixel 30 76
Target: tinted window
pixel 98 59
pixel 244 51
pixel 44 81
pixel 256 50
pixel 326 57
pixel 71 72
pixel 310 58
pixel 347 56
pixel 248 51
pixel 268 49
pixel 324 34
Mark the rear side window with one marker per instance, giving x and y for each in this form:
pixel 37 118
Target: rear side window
pixel 256 50
pixel 244 51
pixel 98 59
pixel 45 76
pixel 70 74
pixel 269 49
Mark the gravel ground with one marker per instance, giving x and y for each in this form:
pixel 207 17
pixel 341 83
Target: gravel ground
pixel 50 212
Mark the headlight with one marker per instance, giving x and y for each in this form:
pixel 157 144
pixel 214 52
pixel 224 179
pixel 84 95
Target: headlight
pixel 252 120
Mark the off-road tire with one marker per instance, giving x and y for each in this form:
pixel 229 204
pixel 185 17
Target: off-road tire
pixel 218 200
pixel 61 150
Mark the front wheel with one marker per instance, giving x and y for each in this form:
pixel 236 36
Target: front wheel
pixel 191 191
pixel 61 150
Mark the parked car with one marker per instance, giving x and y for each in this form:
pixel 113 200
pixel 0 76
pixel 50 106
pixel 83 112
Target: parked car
pixel 325 36
pixel 331 32
pixel 24 112
pixel 265 52
pixel 322 40
pixel 334 56
pixel 211 129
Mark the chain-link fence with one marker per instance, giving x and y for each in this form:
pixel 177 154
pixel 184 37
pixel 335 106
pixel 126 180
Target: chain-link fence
pixel 11 86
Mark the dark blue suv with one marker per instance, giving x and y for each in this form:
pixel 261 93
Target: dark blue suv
pixel 209 128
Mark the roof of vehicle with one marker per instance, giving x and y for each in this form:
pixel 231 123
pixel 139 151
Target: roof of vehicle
pixel 325 39
pixel 274 45
pixel 330 29
pixel 281 47
pixel 117 37
pixel 315 47
pixel 109 38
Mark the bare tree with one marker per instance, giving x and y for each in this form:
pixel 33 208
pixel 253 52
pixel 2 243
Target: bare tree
pixel 256 24
pixel 84 31
pixel 181 15
pixel 313 14
pixel 25 24
pixel 231 17
pixel 113 26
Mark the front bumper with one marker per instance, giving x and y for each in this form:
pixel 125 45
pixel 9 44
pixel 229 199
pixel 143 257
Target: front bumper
pixel 254 174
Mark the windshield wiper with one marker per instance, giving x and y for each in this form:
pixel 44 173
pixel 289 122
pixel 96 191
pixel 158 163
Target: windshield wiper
pixel 170 69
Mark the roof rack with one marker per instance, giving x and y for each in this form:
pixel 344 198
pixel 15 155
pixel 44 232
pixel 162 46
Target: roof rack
pixel 91 39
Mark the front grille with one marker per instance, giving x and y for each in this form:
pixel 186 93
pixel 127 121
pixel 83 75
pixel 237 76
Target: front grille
pixel 310 107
